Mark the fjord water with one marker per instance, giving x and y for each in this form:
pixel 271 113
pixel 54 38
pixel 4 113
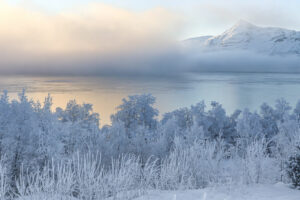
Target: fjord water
pixel 232 90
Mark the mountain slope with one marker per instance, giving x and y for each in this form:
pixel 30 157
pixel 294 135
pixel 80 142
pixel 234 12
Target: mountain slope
pixel 246 36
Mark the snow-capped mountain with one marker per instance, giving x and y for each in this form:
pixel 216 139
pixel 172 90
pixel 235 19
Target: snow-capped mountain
pixel 246 36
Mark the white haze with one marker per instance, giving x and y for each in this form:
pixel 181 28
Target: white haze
pixel 100 39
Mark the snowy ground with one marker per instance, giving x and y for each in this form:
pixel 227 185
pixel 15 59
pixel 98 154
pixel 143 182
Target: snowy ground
pixel 259 192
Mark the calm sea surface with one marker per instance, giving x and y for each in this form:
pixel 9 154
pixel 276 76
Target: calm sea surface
pixel 232 90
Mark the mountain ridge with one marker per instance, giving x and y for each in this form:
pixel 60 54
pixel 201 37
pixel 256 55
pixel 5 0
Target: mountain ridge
pixel 246 36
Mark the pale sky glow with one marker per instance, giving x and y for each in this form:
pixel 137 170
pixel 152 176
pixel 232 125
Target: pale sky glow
pixel 201 17
pixel 94 27
pixel 93 35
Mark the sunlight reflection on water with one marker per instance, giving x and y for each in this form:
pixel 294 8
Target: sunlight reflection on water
pixel 233 90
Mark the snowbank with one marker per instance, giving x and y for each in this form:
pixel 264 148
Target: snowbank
pixel 260 192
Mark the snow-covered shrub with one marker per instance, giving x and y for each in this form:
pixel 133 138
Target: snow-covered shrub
pixel 4 181
pixel 56 178
pixel 85 178
pixel 194 165
pixel 257 165
pixel 176 171
pixel 285 143
pixel 293 169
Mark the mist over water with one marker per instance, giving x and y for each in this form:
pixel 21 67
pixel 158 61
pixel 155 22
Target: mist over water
pixel 232 90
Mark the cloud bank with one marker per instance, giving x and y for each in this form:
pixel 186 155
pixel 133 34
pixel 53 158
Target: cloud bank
pixel 94 36
pixel 243 61
pixel 100 39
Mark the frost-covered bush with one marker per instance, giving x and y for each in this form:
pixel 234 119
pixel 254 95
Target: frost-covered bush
pixel 293 169
pixel 84 177
pixel 258 165
pixel 192 166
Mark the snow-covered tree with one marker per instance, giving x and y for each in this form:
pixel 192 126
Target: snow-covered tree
pixel 183 117
pixel 81 126
pixel 268 120
pixel 249 129
pixel 137 111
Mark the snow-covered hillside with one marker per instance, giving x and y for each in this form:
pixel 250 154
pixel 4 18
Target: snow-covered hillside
pixel 257 192
pixel 246 36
